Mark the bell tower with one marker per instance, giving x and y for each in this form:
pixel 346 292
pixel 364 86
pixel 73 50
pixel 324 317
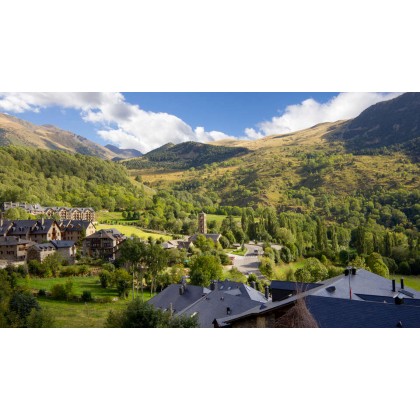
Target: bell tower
pixel 202 223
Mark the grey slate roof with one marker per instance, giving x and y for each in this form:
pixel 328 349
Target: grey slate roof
pixel 14 240
pixel 216 304
pixel 209 304
pixel 74 225
pixel 293 285
pixel 345 313
pixel 213 236
pixel 364 282
pixel 388 299
pixel 62 244
pixel 179 302
pixel 44 247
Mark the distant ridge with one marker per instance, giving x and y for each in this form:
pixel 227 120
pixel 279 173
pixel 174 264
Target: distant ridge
pixel 124 153
pixel 17 132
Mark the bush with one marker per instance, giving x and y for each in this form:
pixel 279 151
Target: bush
pixel 58 292
pixel 42 292
pixel 105 278
pixel 87 296
pixel 404 268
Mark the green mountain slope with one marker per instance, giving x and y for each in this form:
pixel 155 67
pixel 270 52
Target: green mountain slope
pixel 393 124
pixel 60 178
pixel 184 155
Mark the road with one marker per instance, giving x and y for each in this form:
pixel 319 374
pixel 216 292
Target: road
pixel 249 263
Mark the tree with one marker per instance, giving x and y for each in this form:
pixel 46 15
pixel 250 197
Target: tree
pixel 286 255
pixel 140 314
pixel 204 269
pixel 203 243
pixel 122 281
pixel 316 269
pixel 376 264
pixel 302 275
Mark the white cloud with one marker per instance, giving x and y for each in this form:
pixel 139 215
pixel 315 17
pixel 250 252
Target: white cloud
pixel 310 112
pixel 119 122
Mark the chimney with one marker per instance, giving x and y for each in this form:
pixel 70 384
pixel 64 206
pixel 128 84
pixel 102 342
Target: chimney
pixel 353 271
pixel 267 292
pixel 228 311
pixel 393 285
pixel 253 284
pixel 212 285
pixel 181 289
pixel 399 299
pixel 402 283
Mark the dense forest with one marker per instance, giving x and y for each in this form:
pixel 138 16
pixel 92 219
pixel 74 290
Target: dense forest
pixel 60 178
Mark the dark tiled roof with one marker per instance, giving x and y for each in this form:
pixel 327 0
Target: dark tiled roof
pixel 293 285
pixel 364 282
pixel 14 240
pixel 62 244
pixel 389 299
pixel 74 225
pixel 213 236
pixel 110 233
pixel 44 247
pixel 345 313
pixel 179 302
pixel 218 304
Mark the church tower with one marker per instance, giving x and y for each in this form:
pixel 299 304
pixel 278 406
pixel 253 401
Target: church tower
pixel 202 223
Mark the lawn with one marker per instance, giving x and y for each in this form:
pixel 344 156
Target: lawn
pixel 280 271
pixel 220 217
pixel 409 281
pixel 77 314
pixel 134 230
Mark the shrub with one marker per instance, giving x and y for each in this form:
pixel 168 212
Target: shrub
pixel 42 292
pixel 404 268
pixel 87 296
pixel 105 278
pixel 58 292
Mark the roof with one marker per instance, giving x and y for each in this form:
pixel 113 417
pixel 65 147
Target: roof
pixel 43 247
pixel 213 236
pixel 217 304
pixel 389 299
pixel 209 304
pixel 110 233
pixel 170 295
pixel 293 285
pixel 74 225
pixel 62 244
pixel 364 282
pixel 14 240
pixel 346 313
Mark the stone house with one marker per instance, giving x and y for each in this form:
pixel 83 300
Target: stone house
pixel 104 244
pixel 13 248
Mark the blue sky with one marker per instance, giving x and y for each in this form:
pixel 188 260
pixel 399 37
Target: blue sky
pixel 148 120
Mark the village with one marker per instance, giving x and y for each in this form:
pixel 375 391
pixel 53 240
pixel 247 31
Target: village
pixel 355 298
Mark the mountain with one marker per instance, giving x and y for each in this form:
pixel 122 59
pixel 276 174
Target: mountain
pixel 189 154
pixel 304 171
pixel 394 123
pixel 17 132
pixel 123 153
pixel 53 177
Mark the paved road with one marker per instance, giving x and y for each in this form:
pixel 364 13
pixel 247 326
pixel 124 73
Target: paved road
pixel 249 263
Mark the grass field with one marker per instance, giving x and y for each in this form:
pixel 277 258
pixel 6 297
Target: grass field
pixel 280 271
pixel 78 314
pixel 409 281
pixel 134 230
pixel 220 217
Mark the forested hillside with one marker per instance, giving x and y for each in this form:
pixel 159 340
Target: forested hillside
pixel 60 178
pixel 184 156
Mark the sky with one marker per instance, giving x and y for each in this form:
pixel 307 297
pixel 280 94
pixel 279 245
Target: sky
pixel 145 121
